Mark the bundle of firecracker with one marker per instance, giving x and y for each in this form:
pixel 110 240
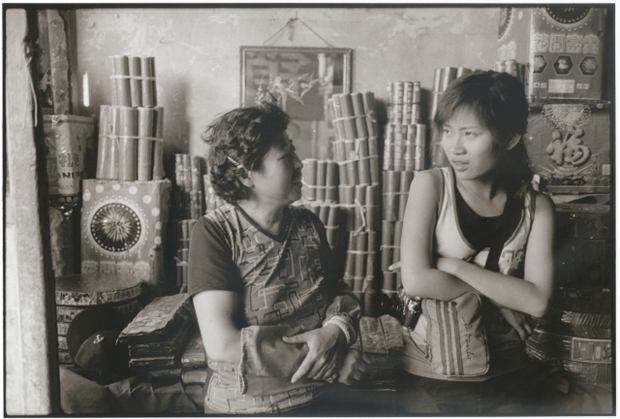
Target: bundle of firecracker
pixel 157 337
pixel 194 361
pixel 319 180
pixel 404 105
pixel 187 188
pixel 131 130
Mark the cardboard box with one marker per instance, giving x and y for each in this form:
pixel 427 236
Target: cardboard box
pixel 563 49
pixel 124 228
pixel 569 147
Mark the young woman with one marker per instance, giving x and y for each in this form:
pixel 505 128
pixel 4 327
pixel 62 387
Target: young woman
pixel 275 321
pixel 480 207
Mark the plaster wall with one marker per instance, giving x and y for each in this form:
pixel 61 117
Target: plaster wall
pixel 197 52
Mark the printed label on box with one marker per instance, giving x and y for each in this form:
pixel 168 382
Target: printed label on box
pixel 591 350
pixel 561 86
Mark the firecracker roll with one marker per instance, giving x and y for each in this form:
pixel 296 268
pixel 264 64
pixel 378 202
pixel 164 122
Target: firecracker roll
pixel 127 152
pixel 387 244
pixel 332 225
pixel 158 146
pixel 368 98
pixel 372 207
pixel 360 208
pixel 348 115
pixel 321 173
pixel 309 181
pixel 447 76
pixel 121 85
pixel 146 130
pixel 107 155
pixel 149 85
pixel 349 264
pixel 135 74
pixel 331 182
pixel 391 191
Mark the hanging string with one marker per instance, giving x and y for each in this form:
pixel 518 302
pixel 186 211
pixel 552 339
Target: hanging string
pixel 290 24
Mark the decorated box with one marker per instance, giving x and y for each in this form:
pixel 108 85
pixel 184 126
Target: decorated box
pixel 569 147
pixel 124 227
pixel 562 47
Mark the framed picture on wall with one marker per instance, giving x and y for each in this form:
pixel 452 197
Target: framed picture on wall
pixel 301 80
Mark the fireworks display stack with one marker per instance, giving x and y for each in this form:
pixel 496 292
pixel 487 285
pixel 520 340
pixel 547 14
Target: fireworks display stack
pixel 404 155
pixel 187 206
pixel 157 337
pixel 355 151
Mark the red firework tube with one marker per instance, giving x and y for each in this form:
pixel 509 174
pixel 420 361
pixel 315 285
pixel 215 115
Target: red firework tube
pixel 408 93
pixel 417 92
pixel 387 243
pixel 357 101
pixel 127 155
pixel 106 160
pixel 388 149
pixel 149 85
pixel 407 114
pixel 187 174
pixel 324 213
pixel 389 281
pixel 416 113
pixel 158 146
pixel 372 207
pixel 463 72
pixel 135 72
pixel 331 181
pixel 373 161
pixel 449 74
pixel 363 165
pixel 146 131
pixel 405 182
pixel 360 197
pixel 391 189
pixel 123 86
pixel 321 172
pixel 352 172
pixel 437 80
pixel 369 109
pixel 346 106
pixel 343 176
pixel 398 229
pixel 400 147
pixel 420 147
pixel 410 148
pixel 309 175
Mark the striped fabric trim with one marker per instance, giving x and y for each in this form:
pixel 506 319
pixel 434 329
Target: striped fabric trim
pixel 449 338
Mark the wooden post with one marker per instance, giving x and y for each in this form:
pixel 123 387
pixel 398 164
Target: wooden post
pixel 31 341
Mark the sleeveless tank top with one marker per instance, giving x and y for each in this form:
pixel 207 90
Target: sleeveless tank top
pixel 449 241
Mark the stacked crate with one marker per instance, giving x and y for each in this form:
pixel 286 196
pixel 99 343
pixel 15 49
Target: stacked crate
pixel 403 155
pixel 355 151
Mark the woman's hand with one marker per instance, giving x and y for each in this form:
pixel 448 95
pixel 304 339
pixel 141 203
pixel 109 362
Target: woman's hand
pixel 355 367
pixel 325 344
pixel 523 323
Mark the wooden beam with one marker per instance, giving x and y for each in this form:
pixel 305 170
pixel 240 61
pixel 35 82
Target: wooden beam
pixel 32 364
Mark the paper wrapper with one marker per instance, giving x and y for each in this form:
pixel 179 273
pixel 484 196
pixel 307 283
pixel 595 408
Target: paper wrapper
pixel 128 150
pixel 123 228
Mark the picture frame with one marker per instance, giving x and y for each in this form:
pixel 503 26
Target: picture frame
pixel 300 80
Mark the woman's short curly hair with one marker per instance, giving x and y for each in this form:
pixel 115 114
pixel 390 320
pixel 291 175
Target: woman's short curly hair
pixel 238 140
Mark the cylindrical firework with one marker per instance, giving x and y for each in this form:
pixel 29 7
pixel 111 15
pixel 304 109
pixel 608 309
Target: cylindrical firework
pixel 347 194
pixel 372 207
pixel 331 182
pixel 397 114
pixel 187 174
pixel 434 103
pixel 349 265
pixel 420 147
pixel 437 80
pixel 357 101
pixel 388 149
pixel 387 244
pixel 324 213
pixel 196 173
pixel 361 254
pixel 363 164
pixel 398 229
pixel 107 156
pixel 400 146
pixel 417 92
pixel 416 113
pixel 408 92
pixel 398 93
pixel 321 172
pixel 463 72
pixel 410 150
pixel 360 200
pixel 309 174
pixel 374 161
pixel 179 172
pixel 371 261
pixel 405 182
pixel 146 131
pixel 449 74
pixel 369 109
pixel 128 132
pixel 121 77
pixel 149 85
pixel 346 106
pixel 331 227
pixel 391 187
pixel 135 72
pixel 158 145
pixel 407 114
pixel 352 172
pixel 389 282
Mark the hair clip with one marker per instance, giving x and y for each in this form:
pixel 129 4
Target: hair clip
pixel 239 165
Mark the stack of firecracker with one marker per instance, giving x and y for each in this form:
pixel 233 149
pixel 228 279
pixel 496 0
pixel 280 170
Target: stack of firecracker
pixel 403 155
pixel 188 205
pixel 158 336
pixel 355 152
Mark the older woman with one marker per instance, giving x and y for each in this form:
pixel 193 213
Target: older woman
pixel 275 321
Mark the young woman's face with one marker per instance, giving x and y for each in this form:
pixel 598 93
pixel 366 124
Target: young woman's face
pixel 471 149
pixel 278 179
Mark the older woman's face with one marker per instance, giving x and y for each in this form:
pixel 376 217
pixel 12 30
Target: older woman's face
pixel 278 179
